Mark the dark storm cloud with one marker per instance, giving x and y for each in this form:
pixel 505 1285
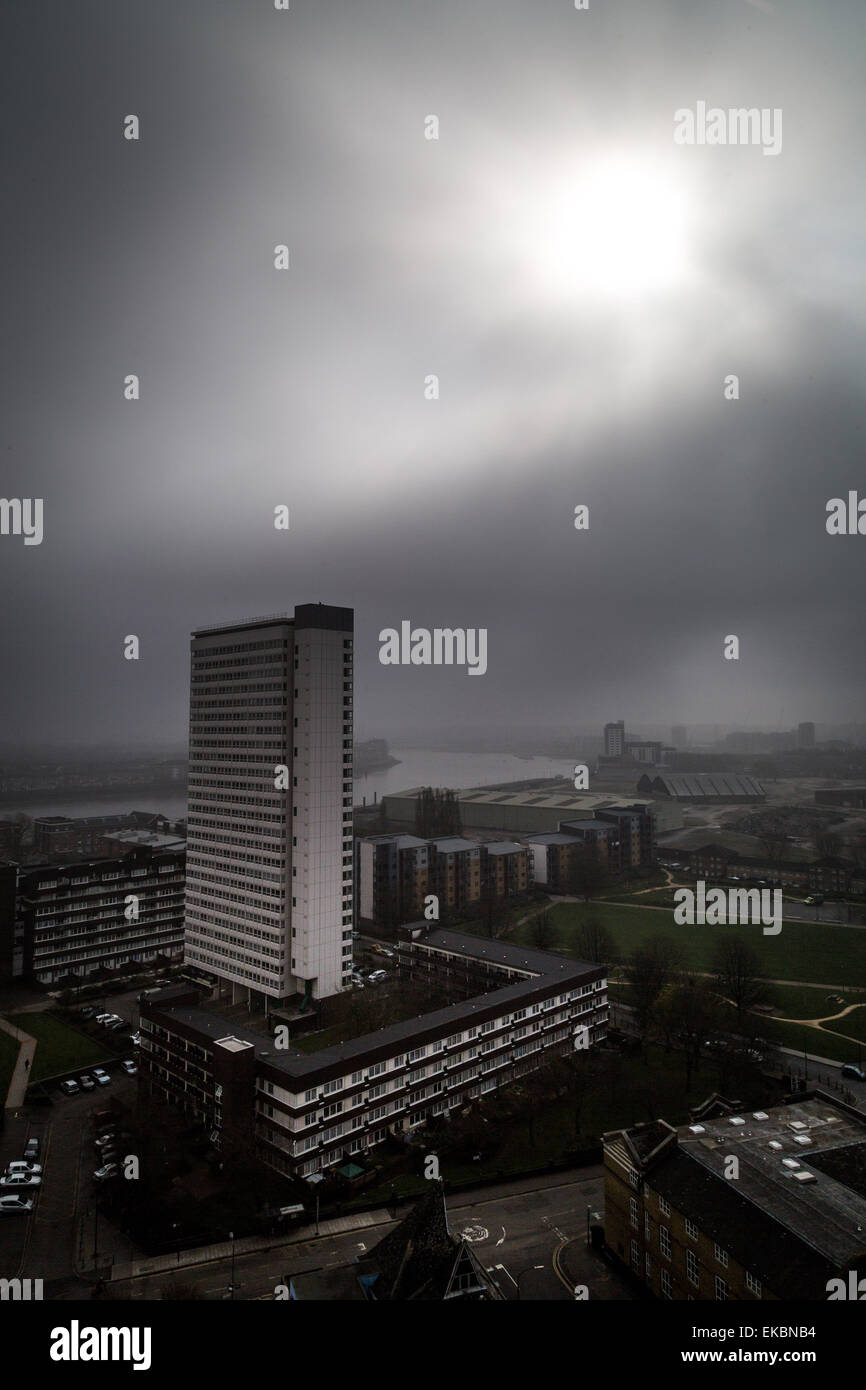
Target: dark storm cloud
pixel 411 257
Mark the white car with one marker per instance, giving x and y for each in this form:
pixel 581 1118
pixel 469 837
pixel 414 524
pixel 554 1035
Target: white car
pixel 15 1203
pixel 20 1180
pixel 108 1170
pixel 129 1067
pixel 376 976
pixel 22 1166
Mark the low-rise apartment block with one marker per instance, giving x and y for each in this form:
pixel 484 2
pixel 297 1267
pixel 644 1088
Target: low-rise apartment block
pixel 110 914
pixel 306 1112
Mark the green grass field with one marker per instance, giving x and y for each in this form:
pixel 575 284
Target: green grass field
pixel 60 1049
pixel 802 952
pixel 8 1055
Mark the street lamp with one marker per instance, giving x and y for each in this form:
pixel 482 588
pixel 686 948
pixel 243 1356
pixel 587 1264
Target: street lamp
pixel 232 1284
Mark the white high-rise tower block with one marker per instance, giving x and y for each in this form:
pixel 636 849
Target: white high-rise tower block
pixel 269 857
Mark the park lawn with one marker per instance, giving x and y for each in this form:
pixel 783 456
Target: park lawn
pixel 8 1057
pixel 853 1025
pixel 803 951
pixel 809 1001
pixel 60 1048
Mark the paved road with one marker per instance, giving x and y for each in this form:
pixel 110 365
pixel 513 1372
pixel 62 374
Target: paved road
pixel 514 1230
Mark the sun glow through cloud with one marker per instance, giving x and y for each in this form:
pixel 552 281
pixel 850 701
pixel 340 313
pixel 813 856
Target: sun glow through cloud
pixel 614 229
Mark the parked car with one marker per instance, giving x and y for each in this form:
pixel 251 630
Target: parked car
pixel 100 1018
pixel 129 1067
pixel 376 976
pixel 108 1170
pixel 117 1023
pixel 14 1203
pixel 854 1073
pixel 32 1149
pixel 88 1011
pixel 105 1140
pixel 21 1165
pixel 110 1020
pixel 20 1180
pixel 87 1083
pixel 70 1088
pixel 102 1078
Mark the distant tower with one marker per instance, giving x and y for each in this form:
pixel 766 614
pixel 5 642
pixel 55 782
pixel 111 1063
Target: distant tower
pixel 805 735
pixel 614 739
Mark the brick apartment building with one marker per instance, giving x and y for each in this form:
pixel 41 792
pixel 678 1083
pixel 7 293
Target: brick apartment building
pixel 395 873
pixel 743 1206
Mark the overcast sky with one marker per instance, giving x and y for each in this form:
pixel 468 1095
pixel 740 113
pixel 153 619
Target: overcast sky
pixel 580 284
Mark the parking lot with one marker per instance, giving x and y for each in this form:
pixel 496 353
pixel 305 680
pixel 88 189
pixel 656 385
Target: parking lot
pixel 57 1236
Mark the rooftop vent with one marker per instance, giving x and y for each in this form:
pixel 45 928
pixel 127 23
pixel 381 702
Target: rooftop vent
pixel 790 1163
pixel 804 1176
pixel 736 1120
pixel 760 1115
pixel 774 1144
pixel 697 1129
pixel 802 1139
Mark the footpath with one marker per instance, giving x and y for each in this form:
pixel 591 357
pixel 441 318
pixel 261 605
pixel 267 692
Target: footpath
pixel 20 1078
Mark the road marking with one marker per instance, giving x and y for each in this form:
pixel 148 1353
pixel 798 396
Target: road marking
pixel 551 1225
pixel 502 1237
pixel 474 1234
pixel 510 1276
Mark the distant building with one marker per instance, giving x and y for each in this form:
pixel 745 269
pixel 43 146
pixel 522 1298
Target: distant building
pixel 83 835
pixel 806 735
pixel 697 787
pixel 520 810
pixel 715 861
pixel 614 739
pixel 392 878
pixel 679 736
pixel 793 1220
pixel 623 835
pixel 842 796
pixel 9 838
pixel 105 914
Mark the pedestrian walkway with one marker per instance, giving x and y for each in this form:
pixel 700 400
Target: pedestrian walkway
pixel 20 1078
pixel 247 1245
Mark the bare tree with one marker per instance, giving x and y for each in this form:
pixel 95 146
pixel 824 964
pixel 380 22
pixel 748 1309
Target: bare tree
pixel 649 969
pixel 587 874
pixel 686 1013
pixel 542 930
pixel 738 974
pixel 594 942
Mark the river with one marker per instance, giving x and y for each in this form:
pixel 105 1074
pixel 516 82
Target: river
pixel 418 767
